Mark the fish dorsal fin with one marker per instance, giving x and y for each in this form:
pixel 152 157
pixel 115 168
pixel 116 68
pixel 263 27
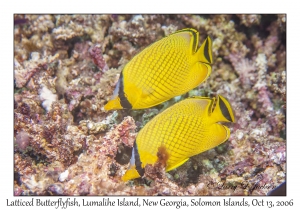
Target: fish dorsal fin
pixel 203 98
pixel 204 54
pixel 191 35
pixel 222 111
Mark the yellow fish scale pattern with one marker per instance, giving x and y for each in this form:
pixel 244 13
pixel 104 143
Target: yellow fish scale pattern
pixel 186 129
pixel 181 132
pixel 167 65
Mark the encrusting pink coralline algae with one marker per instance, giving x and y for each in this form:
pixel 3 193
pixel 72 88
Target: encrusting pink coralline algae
pixel 67 66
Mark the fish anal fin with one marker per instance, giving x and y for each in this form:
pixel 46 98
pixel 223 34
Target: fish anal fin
pixel 177 165
pixel 145 92
pixel 139 95
pixel 147 158
pixel 135 93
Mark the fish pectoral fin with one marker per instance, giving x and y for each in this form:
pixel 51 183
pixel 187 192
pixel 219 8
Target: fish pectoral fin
pixel 200 73
pixel 217 135
pixel 176 165
pixel 131 173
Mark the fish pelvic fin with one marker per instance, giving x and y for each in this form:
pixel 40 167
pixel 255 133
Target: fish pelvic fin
pixel 131 173
pixel 113 104
pixel 204 53
pixel 169 168
pixel 223 111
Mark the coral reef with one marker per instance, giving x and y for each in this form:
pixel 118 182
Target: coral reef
pixel 67 66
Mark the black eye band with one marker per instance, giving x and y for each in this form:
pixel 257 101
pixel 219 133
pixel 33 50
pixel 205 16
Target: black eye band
pixel 206 54
pixel 224 110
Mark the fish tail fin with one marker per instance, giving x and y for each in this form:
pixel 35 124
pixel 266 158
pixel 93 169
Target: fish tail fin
pixel 204 53
pixel 113 104
pixel 223 111
pixel 131 173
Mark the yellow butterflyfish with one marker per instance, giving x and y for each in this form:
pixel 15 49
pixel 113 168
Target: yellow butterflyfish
pixel 167 68
pixel 181 131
